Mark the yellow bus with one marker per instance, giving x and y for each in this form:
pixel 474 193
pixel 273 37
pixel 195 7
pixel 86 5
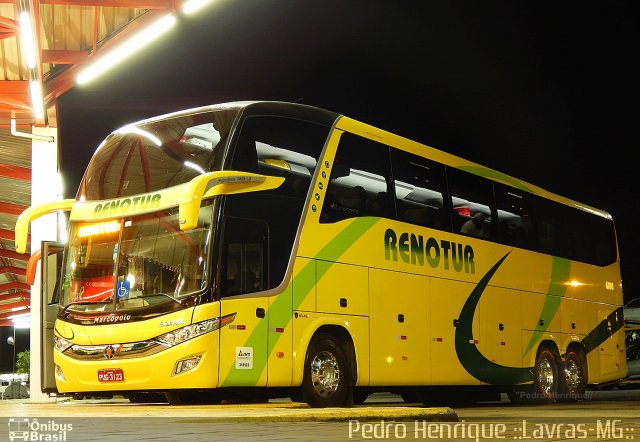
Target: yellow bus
pixel 268 248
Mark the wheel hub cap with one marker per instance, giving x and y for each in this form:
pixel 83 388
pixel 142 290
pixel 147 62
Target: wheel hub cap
pixel 573 376
pixel 545 377
pixel 325 374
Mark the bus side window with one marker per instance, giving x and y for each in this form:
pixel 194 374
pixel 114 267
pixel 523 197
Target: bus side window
pixel 244 261
pixel 419 187
pixel 360 181
pixel 516 226
pixel 472 200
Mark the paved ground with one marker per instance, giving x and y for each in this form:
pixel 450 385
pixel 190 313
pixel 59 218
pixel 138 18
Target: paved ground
pixel 607 415
pixel 119 420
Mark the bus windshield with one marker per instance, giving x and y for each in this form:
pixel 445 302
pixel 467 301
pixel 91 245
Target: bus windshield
pixel 135 262
pixel 157 154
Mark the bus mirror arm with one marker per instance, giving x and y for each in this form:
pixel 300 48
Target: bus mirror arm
pixel 33 212
pixel 224 182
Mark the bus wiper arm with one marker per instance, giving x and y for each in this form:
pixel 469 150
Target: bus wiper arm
pixel 168 296
pixel 65 312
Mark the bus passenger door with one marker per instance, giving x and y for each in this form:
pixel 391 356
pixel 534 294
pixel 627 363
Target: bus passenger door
pixel 50 270
pixel 244 274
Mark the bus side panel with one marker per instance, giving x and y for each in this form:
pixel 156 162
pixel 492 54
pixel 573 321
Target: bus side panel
pixel 304 284
pixel 529 358
pixel 243 343
pixel 501 326
pixel 608 350
pixel 306 324
pixel 342 288
pixel 280 339
pixel 447 298
pixel 540 317
pixel 575 317
pixel 399 324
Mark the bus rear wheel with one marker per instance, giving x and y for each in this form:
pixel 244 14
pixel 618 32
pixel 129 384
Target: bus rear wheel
pixel 545 380
pixel 572 378
pixel 326 380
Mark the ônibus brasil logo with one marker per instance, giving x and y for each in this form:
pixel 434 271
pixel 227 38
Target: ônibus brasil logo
pixel 33 430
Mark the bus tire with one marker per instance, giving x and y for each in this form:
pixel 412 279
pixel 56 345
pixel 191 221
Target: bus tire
pixel 546 376
pixel 573 379
pixel 360 396
pixel 545 380
pixel 326 380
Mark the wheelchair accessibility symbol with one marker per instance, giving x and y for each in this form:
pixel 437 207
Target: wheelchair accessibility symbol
pixel 122 289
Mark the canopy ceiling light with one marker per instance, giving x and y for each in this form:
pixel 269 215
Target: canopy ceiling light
pixel 30 52
pixel 192 6
pixel 126 49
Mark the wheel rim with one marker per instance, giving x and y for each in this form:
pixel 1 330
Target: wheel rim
pixel 325 374
pixel 546 378
pixel 573 376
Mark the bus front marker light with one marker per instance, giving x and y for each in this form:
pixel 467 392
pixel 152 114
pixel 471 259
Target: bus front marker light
pixel 59 373
pixel 186 364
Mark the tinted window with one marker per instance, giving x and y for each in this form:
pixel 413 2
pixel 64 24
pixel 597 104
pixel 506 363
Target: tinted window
pixel 274 146
pixel 604 237
pixel 472 199
pixel 516 225
pixel 420 191
pixel 360 179
pixel 245 249
pixel 158 154
pixel 574 234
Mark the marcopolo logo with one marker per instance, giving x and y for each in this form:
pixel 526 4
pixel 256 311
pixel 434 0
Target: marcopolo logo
pixel 115 207
pixel 416 249
pixel 33 430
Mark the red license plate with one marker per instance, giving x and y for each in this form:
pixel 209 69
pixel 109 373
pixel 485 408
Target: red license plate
pixel 111 375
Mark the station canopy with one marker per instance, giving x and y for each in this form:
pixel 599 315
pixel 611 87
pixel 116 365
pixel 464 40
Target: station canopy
pixel 68 34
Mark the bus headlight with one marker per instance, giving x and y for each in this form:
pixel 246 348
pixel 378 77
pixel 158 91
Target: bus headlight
pixel 189 332
pixel 61 344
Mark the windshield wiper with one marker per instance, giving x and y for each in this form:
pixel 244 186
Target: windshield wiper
pixel 65 312
pixel 164 294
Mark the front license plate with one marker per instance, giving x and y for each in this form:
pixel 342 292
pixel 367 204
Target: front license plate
pixel 111 375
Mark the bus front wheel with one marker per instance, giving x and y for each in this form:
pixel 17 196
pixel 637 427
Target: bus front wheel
pixel 326 374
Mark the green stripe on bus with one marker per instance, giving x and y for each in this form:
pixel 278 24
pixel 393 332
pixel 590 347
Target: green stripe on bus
pixel 470 356
pixel 491 373
pixel 607 328
pixel 305 281
pixel 560 272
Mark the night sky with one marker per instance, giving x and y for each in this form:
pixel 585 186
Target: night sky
pixel 545 93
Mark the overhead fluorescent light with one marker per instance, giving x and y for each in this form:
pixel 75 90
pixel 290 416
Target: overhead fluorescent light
pixel 126 49
pixel 27 38
pixel 193 5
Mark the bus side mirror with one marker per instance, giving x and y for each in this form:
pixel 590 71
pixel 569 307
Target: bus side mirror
pixel 225 182
pixel 33 212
